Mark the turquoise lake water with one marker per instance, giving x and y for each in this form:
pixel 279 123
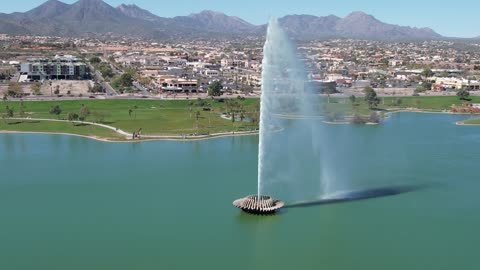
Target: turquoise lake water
pixel 73 203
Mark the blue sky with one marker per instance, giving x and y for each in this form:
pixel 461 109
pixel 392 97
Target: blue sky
pixel 460 18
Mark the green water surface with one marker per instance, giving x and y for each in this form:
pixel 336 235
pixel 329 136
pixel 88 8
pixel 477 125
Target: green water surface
pixel 73 203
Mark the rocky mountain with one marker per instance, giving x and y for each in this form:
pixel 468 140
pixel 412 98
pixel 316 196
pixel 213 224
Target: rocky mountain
pixel 355 25
pixel 215 22
pixel 310 27
pixel 136 12
pixel 49 9
pixel 84 17
pixel 361 25
pixel 95 17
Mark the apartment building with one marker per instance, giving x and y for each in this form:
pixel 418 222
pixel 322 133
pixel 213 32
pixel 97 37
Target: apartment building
pixel 58 68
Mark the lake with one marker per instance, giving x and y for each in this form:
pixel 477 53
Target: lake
pixel 72 203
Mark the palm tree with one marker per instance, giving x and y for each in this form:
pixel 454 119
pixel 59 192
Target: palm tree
pixel 210 109
pixel 197 115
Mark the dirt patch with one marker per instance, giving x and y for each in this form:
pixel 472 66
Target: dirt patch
pixel 48 88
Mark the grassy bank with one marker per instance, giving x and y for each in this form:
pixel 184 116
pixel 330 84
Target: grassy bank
pixel 472 122
pixel 59 127
pixel 162 117
pixel 154 117
pixel 425 103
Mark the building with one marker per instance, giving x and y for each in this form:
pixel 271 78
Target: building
pixel 456 83
pixel 322 87
pixel 180 86
pixel 211 73
pixel 59 68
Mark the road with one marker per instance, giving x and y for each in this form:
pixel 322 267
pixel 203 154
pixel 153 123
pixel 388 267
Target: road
pixel 110 92
pixel 108 88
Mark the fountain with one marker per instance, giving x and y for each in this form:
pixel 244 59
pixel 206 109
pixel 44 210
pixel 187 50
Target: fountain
pixel 288 127
pixel 256 204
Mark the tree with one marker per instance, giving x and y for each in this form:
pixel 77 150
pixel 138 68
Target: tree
pixel 56 110
pixel 232 107
pixel 57 90
pixel 123 82
pixel 36 87
pixel 215 89
pixel 95 60
pixel 105 70
pixel 357 119
pixel 463 94
pixel 246 89
pixel 197 116
pixel 84 113
pixel 126 80
pixel 21 111
pixel 427 73
pixel 99 116
pixel 255 114
pixel 427 85
pixel 419 89
pixel 353 99
pixel 133 111
pixel 9 112
pixel 374 118
pixel 72 117
pixel 14 89
pixel 97 88
pixel 397 102
pixel 371 98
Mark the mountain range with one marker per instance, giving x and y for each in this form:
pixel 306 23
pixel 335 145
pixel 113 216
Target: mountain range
pixel 95 17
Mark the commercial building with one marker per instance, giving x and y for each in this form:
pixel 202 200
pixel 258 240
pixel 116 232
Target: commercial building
pixel 59 68
pixel 455 83
pixel 180 86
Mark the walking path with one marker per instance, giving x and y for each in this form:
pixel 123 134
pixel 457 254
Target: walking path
pixel 128 135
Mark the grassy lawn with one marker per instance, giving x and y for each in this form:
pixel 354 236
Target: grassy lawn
pixel 43 126
pixel 472 122
pixel 426 103
pixel 155 117
pixel 168 117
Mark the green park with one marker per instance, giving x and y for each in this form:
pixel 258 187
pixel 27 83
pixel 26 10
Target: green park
pixel 192 118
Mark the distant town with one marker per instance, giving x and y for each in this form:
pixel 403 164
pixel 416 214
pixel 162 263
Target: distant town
pixel 35 67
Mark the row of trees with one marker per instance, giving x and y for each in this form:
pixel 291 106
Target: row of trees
pixel 123 82
pixel 84 112
pixel 15 90
pixel 234 108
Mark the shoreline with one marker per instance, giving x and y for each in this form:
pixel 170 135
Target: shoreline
pixel 180 138
pixel 147 139
pixel 462 123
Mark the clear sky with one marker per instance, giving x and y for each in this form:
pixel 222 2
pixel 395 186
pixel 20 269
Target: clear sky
pixel 460 18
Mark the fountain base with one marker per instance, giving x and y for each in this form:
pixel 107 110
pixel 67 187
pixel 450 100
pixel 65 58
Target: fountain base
pixel 255 204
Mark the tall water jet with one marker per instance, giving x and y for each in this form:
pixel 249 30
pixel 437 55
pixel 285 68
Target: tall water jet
pixel 290 126
pixel 289 121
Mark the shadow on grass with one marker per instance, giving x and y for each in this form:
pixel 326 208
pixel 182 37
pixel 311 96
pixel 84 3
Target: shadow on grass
pixel 359 195
pixel 106 123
